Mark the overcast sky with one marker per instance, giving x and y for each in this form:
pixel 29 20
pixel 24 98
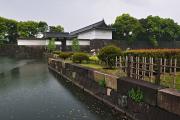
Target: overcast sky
pixel 74 14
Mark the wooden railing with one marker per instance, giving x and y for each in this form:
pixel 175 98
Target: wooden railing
pixel 156 70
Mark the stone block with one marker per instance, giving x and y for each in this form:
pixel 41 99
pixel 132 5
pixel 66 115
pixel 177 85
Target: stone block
pixel 169 99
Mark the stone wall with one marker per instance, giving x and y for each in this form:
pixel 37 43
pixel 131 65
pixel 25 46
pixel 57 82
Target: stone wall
pixel 156 105
pixel 22 51
pixel 96 44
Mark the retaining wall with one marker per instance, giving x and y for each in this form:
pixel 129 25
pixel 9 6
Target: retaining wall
pixel 154 106
pixel 22 51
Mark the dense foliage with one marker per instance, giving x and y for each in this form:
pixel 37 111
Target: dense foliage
pixel 57 52
pixel 57 28
pixel 164 53
pixel 94 59
pixel 127 28
pixel 51 45
pixel 10 30
pixel 80 57
pixel 75 45
pixel 151 29
pixel 65 55
pixel 108 55
pixel 136 95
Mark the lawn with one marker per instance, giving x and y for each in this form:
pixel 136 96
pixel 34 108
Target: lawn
pixel 168 81
pixel 119 73
pixel 114 71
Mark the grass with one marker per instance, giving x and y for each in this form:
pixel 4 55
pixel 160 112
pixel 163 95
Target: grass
pixel 165 81
pixel 169 80
pixel 114 71
pixel 119 73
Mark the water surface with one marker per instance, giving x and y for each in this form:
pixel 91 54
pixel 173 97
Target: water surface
pixel 29 92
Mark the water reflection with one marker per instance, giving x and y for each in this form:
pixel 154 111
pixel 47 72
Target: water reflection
pixel 29 92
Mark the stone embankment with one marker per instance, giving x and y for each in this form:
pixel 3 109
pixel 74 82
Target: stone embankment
pixel 159 103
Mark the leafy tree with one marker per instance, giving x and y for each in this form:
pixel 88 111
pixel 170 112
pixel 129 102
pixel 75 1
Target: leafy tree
pixel 12 32
pixel 51 45
pixel 158 29
pixel 8 29
pixel 42 27
pixel 57 28
pixel 153 41
pixel 127 28
pixel 28 29
pixel 75 45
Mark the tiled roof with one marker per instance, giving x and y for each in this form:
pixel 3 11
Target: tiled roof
pixel 98 25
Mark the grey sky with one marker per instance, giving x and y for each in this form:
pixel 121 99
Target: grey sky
pixel 74 14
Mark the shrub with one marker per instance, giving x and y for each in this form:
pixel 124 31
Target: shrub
pixel 108 55
pixel 75 45
pixel 136 95
pixel 94 59
pixel 102 83
pixel 56 52
pixel 51 45
pixel 79 57
pixel 164 53
pixel 65 55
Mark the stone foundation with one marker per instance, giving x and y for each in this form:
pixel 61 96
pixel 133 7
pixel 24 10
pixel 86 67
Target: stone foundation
pixel 152 108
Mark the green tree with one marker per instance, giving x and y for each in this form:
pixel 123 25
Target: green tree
pixel 57 28
pixel 157 29
pixel 51 45
pixel 75 45
pixel 28 29
pixel 127 28
pixel 3 29
pixel 42 27
pixel 8 30
pixel 12 32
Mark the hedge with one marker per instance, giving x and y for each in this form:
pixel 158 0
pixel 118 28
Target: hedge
pixel 65 55
pixel 161 53
pixel 80 57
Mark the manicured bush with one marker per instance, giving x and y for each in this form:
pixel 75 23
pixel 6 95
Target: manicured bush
pixel 163 53
pixel 94 59
pixel 108 55
pixel 80 57
pixel 65 55
pixel 56 52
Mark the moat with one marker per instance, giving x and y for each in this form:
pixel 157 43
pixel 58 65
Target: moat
pixel 29 92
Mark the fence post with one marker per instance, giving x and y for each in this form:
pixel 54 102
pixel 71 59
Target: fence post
pixel 159 69
pixel 116 61
pixel 174 75
pixel 129 66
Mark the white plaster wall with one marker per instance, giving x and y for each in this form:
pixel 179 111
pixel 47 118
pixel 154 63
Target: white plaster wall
pixel 32 42
pixel 87 35
pixel 69 42
pixel 57 42
pixel 36 42
pixel 96 34
pixel 45 42
pixel 103 34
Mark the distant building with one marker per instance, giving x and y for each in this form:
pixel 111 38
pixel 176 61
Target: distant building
pixel 95 32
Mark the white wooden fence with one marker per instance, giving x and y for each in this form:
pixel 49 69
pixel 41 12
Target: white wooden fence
pixel 156 70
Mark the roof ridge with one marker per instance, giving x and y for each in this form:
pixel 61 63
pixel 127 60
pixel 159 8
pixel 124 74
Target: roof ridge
pixel 91 26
